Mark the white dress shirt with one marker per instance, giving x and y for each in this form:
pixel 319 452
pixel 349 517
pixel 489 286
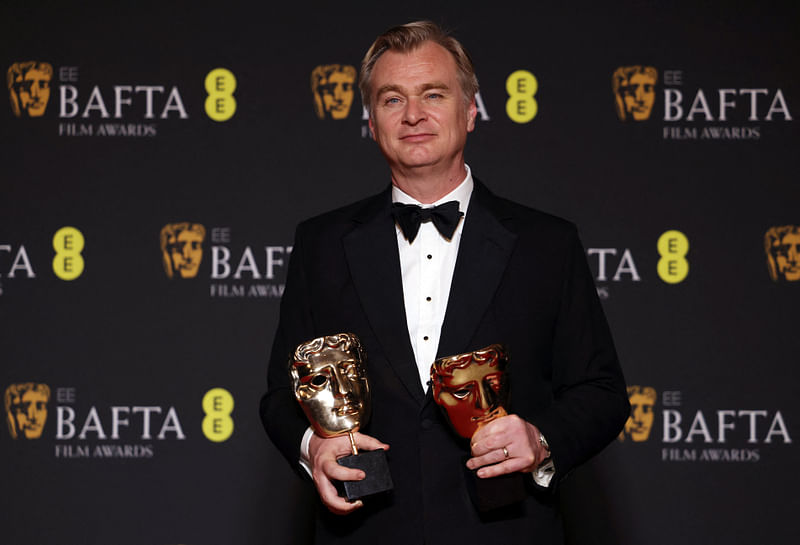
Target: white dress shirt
pixel 427 266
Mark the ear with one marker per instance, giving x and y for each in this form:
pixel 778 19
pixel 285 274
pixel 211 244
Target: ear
pixel 472 111
pixel 371 127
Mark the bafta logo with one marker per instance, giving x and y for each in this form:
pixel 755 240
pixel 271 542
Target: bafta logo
pixel 640 422
pixel 333 87
pixel 182 248
pixel 782 246
pixel 26 409
pixel 29 87
pixel 634 91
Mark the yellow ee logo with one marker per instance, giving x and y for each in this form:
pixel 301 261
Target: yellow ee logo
pixel 220 85
pixel 217 406
pixel 521 107
pixel 673 247
pixel 68 263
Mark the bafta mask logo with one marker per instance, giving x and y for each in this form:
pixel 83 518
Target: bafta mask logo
pixel 26 409
pixel 330 382
pixel 472 388
pixel 782 246
pixel 640 422
pixel 634 91
pixel 333 87
pixel 29 87
pixel 182 248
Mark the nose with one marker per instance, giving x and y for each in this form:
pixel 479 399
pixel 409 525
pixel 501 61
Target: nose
pixel 341 385
pixel 482 401
pixel 794 253
pixel 414 112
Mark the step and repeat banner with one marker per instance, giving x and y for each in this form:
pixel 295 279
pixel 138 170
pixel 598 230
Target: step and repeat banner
pixel 155 164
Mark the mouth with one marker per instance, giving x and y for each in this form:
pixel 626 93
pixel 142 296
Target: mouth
pixel 347 409
pixel 488 417
pixel 421 137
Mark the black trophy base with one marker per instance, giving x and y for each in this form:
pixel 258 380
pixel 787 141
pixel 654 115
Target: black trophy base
pixel 495 492
pixel 373 464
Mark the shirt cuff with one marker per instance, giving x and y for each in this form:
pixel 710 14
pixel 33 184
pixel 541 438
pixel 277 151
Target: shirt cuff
pixel 305 457
pixel 543 475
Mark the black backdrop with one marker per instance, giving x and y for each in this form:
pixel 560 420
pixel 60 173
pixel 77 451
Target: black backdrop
pixel 718 348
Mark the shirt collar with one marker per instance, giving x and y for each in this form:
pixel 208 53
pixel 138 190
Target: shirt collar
pixel 462 194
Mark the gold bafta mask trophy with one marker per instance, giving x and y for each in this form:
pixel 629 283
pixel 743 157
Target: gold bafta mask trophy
pixel 472 388
pixel 330 383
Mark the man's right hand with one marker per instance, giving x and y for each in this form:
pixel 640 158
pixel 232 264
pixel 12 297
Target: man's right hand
pixel 323 454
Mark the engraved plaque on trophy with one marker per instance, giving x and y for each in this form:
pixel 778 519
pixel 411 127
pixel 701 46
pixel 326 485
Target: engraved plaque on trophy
pixel 472 389
pixel 330 383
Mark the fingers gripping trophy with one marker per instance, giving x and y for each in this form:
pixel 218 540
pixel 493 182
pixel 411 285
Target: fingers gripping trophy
pixel 473 390
pixel 330 382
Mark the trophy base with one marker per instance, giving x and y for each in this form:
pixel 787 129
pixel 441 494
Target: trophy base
pixel 495 492
pixel 373 464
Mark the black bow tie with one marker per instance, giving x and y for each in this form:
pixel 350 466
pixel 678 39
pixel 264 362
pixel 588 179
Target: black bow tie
pixel 445 218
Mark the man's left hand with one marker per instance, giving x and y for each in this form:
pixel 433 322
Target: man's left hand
pixel 506 445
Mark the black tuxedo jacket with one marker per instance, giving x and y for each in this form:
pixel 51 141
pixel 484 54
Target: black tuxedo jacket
pixel 520 279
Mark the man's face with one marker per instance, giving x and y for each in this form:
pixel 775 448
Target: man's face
pixel 30 413
pixel 640 422
pixel 638 95
pixel 471 395
pixel 187 251
pixel 333 391
pixel 787 256
pixel 337 94
pixel 33 91
pixel 420 118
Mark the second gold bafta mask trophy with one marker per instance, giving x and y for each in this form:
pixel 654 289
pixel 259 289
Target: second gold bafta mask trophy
pixel 330 383
pixel 472 388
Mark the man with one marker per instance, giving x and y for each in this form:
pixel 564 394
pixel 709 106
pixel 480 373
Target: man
pixel 506 274
pixel 634 91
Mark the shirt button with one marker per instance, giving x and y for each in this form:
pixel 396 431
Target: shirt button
pixel 427 298
pixel 430 256
pixel 425 338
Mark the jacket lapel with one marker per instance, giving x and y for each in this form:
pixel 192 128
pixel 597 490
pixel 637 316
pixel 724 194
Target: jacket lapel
pixel 373 258
pixel 485 249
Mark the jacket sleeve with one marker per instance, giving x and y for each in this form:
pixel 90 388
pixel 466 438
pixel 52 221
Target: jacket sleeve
pixel 590 402
pixel 281 415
